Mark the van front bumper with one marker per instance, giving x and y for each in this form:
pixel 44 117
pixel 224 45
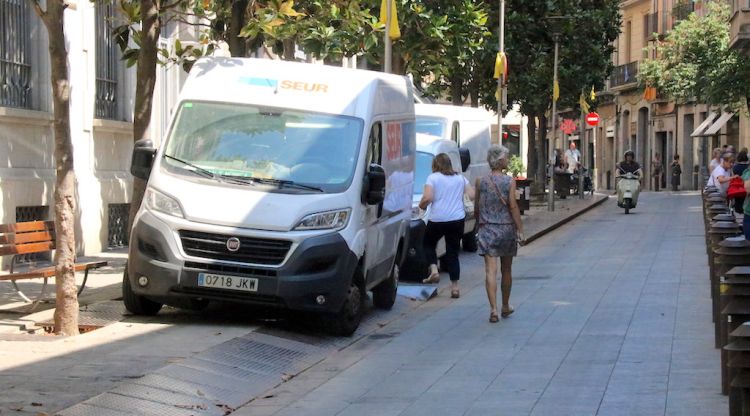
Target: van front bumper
pixel 321 265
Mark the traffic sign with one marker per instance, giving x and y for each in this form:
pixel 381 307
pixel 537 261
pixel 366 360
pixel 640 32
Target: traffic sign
pixel 592 119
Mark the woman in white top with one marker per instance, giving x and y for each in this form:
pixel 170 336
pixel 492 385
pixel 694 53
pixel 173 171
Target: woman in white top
pixel 445 190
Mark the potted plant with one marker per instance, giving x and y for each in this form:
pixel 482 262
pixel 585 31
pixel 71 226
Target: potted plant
pixel 516 168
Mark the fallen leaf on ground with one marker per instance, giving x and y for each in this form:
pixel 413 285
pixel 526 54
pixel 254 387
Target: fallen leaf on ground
pixel 36 404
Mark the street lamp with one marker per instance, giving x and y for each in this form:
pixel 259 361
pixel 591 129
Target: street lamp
pixel 501 78
pixel 556 32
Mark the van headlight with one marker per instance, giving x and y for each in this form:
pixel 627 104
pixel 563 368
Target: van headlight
pixel 330 220
pixel 157 201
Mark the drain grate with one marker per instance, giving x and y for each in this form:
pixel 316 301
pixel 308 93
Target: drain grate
pixel 224 377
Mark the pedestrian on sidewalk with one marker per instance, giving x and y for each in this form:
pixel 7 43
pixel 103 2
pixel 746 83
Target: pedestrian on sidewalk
pixel 499 228
pixel 738 169
pixel 746 206
pixel 722 174
pixel 445 189
pixel 715 160
pixel 676 173
pixel 656 168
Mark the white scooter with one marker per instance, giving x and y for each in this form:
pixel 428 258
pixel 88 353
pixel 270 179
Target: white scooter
pixel 628 188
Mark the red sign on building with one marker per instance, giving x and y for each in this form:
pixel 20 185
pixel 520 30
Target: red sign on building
pixel 568 126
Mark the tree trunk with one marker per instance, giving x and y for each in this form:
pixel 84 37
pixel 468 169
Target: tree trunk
pixel 66 308
pixel 144 88
pixel 531 151
pixel 457 90
pixel 289 49
pixel 237 45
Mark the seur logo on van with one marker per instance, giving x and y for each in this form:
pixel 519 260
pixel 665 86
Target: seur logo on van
pixel 285 84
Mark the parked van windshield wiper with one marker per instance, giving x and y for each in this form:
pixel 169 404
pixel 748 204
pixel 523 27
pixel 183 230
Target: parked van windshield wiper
pixel 196 169
pixel 284 183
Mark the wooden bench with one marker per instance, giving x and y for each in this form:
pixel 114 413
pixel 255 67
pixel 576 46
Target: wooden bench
pixel 23 238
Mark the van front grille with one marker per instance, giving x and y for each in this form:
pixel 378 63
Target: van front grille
pixel 251 250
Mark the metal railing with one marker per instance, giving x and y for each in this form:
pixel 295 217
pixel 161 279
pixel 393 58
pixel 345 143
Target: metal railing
pixel 106 103
pixel 624 74
pixel 15 69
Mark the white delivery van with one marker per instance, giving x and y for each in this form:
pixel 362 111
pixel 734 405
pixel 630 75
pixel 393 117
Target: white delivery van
pixel 280 184
pixel 469 128
pixel 415 266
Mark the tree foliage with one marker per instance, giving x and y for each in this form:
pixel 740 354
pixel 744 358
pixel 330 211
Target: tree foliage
pixel 441 44
pixel 694 62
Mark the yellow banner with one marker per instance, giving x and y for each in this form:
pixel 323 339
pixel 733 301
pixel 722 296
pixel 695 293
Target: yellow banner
pixel 393 32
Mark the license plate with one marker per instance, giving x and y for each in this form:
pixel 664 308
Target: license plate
pixel 218 281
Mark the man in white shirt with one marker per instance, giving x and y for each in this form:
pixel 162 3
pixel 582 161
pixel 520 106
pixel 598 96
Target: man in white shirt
pixel 572 158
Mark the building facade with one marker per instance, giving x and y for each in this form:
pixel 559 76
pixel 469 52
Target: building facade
pixel 101 104
pixel 656 125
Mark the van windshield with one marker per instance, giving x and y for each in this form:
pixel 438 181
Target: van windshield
pixel 273 145
pixel 422 169
pixel 430 125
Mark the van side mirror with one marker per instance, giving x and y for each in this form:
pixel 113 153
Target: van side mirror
pixel 465 158
pixel 373 192
pixel 143 159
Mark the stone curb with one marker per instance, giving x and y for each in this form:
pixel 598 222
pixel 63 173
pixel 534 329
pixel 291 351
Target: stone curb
pixel 571 217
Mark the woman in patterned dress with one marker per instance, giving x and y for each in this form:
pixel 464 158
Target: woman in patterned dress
pixel 499 227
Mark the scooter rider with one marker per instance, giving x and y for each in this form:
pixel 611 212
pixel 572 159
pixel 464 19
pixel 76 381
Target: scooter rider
pixel 628 166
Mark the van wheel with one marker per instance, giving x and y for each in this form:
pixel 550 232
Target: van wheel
pixel 469 242
pixel 137 304
pixel 384 294
pixel 347 319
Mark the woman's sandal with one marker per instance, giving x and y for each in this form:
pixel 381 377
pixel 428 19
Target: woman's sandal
pixel 455 294
pixel 433 278
pixel 493 317
pixel 507 313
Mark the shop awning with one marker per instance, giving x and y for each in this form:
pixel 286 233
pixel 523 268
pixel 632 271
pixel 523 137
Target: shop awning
pixel 703 126
pixel 714 129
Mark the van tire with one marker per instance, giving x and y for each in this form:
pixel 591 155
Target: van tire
pixel 384 294
pixel 137 304
pixel 347 319
pixel 469 242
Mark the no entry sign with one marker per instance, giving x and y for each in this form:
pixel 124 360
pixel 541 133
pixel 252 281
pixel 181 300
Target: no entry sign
pixel 592 119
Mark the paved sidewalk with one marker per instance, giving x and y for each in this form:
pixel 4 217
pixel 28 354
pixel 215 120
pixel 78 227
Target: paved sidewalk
pixel 56 373
pixel 613 317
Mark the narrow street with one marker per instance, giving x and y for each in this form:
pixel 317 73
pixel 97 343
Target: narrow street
pixel 612 318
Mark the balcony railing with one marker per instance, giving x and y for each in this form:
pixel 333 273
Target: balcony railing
pixel 624 75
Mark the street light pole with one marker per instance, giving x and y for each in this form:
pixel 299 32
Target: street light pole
pixel 388 45
pixel 501 78
pixel 551 140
